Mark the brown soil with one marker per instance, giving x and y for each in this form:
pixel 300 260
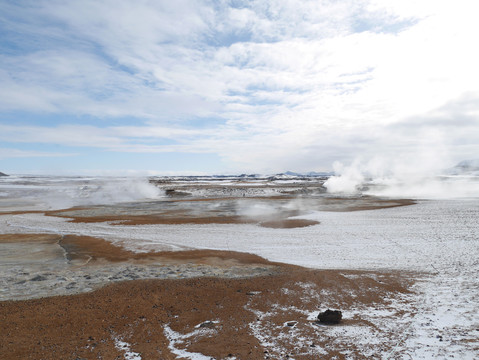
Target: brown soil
pixel 179 217
pixel 85 326
pixel 156 219
pixel 288 223
pixel 367 203
pixel 96 249
pixel 22 238
pixel 139 312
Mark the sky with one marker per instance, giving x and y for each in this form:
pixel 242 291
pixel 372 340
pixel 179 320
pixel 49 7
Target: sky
pixel 209 87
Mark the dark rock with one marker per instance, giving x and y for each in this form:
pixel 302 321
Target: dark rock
pixel 330 317
pixel 174 193
pixel 38 278
pixel 71 285
pixel 207 324
pixel 2 174
pixel 291 323
pixel 132 276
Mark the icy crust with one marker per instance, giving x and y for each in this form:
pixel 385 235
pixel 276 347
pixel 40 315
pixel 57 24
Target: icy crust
pixel 29 282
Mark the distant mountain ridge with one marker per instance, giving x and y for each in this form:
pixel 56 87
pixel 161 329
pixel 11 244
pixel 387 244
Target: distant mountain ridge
pixel 2 174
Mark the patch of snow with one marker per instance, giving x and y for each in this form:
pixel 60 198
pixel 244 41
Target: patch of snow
pixel 125 347
pixel 175 338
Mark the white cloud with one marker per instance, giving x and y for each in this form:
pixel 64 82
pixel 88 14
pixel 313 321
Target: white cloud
pixel 69 135
pixel 291 83
pixel 9 153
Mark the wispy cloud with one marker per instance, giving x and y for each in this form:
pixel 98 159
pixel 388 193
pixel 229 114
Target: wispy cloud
pixel 266 85
pixel 9 153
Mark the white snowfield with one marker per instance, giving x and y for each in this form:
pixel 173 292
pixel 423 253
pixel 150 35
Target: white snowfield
pixel 439 239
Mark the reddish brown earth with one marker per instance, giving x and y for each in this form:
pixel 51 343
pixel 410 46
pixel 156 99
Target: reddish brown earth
pixel 288 223
pixel 85 326
pixel 184 216
pixel 81 247
pixel 140 312
pixel 279 220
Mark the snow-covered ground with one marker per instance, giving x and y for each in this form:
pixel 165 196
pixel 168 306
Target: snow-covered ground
pixel 437 238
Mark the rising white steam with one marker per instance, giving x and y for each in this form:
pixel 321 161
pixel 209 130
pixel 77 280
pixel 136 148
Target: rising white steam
pixel 348 181
pixel 117 190
pixel 256 209
pixel 420 177
pixel 61 193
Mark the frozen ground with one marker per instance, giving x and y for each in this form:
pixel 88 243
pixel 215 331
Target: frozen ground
pixel 437 238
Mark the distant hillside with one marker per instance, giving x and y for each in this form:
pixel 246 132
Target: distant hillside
pixel 2 174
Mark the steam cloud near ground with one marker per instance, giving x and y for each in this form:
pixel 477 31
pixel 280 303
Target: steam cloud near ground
pixel 101 191
pixel 420 177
